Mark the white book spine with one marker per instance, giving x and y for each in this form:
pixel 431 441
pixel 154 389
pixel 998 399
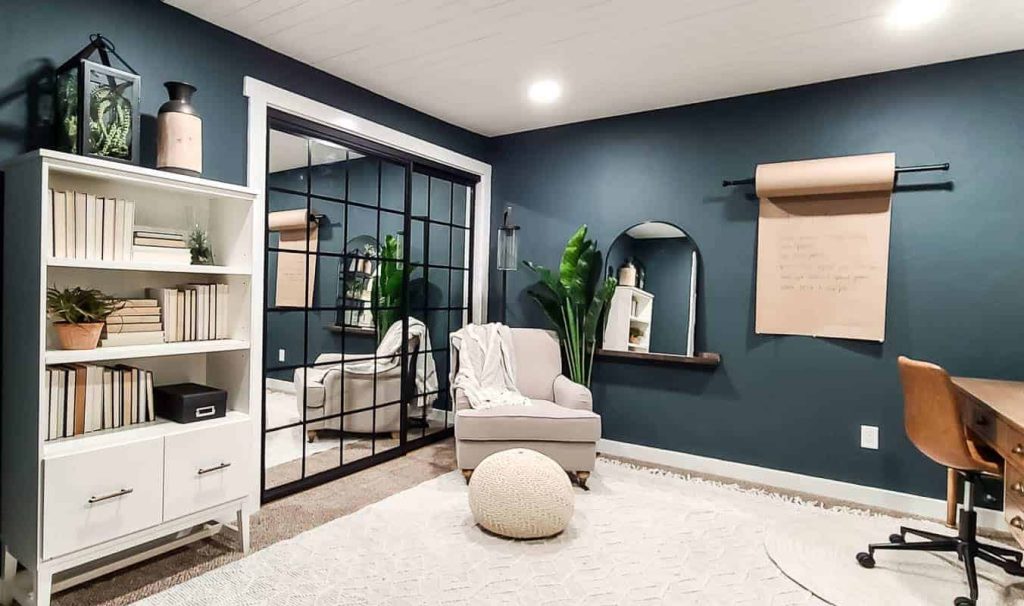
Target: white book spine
pixel 81 220
pixel 119 230
pixel 60 225
pixel 69 219
pixel 94 398
pixel 108 229
pixel 129 209
pixel 61 403
pixel 91 227
pixel 150 413
pixel 51 404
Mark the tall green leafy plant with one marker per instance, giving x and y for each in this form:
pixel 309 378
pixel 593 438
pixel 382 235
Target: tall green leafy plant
pixel 387 286
pixel 573 299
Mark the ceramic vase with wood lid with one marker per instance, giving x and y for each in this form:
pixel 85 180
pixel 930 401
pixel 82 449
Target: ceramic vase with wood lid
pixel 179 139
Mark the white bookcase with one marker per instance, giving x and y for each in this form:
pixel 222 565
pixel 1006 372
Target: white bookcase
pixel 76 508
pixel 629 312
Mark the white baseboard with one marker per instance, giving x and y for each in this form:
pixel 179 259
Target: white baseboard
pixel 795 482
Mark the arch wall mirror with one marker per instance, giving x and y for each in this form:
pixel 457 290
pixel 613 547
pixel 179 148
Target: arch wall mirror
pixel 653 313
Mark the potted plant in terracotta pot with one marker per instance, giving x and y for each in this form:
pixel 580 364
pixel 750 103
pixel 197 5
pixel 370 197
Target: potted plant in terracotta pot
pixel 79 314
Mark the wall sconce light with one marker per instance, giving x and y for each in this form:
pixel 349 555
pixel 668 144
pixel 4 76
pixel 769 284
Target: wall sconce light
pixel 508 254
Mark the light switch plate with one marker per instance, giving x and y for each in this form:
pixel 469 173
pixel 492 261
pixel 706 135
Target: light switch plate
pixel 869 437
pixel 280 355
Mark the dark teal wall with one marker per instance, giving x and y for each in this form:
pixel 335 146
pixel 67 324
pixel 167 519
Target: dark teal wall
pixel 956 274
pixel 163 43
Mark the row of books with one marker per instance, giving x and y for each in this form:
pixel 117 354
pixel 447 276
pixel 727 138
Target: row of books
pixel 85 226
pixel 86 397
pixel 194 312
pixel 160 246
pixel 137 322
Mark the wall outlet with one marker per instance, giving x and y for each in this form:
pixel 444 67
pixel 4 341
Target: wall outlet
pixel 280 355
pixel 869 437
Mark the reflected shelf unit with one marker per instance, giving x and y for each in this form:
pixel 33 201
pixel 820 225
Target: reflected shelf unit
pixel 629 320
pixel 77 507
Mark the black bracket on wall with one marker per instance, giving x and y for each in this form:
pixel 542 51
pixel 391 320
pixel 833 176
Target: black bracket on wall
pixel 899 170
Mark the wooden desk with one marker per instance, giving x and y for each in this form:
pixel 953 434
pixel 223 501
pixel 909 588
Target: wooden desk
pixel 994 412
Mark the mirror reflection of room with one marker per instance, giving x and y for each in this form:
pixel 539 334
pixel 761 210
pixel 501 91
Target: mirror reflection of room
pixel 336 389
pixel 653 309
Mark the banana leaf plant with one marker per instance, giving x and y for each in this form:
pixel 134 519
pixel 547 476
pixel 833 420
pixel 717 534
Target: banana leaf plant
pixel 574 299
pixel 387 286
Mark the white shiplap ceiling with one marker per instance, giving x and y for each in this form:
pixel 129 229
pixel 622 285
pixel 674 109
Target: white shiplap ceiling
pixel 470 61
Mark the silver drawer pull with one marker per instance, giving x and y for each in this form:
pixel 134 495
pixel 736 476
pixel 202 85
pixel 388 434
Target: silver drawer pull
pixel 1018 449
pixel 212 469
pixel 1018 488
pixel 1017 522
pixel 113 495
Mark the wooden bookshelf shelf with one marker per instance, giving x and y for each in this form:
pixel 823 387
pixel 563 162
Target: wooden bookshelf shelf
pixel 701 359
pixel 124 435
pixel 127 352
pixel 220 270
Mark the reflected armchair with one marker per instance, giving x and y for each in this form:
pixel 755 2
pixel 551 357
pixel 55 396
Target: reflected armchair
pixel 355 381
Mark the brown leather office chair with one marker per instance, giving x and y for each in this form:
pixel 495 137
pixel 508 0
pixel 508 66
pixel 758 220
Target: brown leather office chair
pixel 932 419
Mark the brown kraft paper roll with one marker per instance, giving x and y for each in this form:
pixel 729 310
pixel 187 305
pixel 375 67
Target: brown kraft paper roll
pixel 823 246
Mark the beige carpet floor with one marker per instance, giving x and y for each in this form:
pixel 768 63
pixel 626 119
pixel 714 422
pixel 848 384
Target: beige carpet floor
pixel 275 521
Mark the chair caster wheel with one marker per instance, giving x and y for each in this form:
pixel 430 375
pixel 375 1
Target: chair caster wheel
pixel 897 539
pixel 866 560
pixel 962 601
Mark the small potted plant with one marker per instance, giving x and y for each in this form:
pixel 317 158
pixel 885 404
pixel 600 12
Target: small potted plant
pixel 79 314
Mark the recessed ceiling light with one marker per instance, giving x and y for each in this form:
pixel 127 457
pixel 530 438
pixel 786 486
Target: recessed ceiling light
pixel 544 91
pixel 908 14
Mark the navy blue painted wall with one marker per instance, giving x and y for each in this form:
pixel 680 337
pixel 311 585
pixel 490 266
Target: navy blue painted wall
pixel 163 43
pixel 956 259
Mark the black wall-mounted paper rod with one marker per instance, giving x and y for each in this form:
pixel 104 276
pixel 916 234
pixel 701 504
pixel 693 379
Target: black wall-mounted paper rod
pixel 899 169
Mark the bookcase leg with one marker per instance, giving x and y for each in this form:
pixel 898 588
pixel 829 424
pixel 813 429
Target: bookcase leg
pixel 43 583
pixel 7 585
pixel 243 529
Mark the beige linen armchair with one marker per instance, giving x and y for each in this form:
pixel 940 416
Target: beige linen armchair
pixel 559 423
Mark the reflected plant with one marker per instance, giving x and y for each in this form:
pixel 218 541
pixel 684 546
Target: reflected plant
pixel 387 286
pixel 574 301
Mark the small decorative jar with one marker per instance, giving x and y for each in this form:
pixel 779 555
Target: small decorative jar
pixel 627 274
pixel 179 138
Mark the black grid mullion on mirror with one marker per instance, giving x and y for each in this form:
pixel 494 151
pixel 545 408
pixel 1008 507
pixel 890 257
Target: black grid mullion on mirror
pixel 376 321
pixel 329 171
pixel 315 196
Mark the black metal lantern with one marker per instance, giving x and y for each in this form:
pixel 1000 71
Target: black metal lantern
pixel 508 254
pixel 98 105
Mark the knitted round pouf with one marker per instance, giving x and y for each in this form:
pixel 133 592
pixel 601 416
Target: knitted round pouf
pixel 521 494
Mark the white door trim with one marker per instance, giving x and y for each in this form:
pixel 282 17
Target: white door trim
pixel 262 96
pixel 843 491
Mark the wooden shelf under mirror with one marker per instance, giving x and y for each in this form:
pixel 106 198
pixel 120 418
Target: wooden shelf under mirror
pixel 701 359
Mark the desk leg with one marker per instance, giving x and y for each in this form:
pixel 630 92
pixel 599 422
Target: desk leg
pixel 952 498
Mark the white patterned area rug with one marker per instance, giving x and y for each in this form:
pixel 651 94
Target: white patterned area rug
pixel 638 537
pixel 817 552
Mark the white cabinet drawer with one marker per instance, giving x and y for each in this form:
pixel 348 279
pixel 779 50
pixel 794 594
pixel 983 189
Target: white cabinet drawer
pixel 205 468
pixel 92 497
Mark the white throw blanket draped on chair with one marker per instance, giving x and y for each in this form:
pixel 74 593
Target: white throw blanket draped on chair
pixel 487 373
pixel 389 354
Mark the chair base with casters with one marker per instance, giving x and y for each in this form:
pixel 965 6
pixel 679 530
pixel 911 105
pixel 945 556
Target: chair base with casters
pixel 965 545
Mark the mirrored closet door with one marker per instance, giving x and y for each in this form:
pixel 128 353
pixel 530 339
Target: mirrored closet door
pixel 367 273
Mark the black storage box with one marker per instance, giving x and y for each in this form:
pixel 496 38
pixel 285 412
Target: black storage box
pixel 189 402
